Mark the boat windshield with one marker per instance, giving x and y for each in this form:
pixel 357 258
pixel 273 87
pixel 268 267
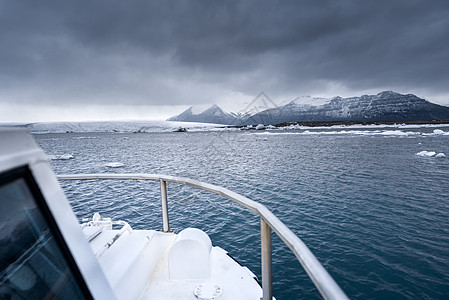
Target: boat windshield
pixel 33 262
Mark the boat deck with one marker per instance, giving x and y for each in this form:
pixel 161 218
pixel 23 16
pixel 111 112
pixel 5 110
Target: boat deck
pixel 137 266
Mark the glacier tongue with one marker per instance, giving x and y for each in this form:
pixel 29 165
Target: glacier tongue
pixel 115 126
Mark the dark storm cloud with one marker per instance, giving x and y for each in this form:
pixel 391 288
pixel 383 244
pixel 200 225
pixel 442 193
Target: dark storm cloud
pixel 187 52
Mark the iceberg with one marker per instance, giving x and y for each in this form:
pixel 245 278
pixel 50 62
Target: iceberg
pixel 426 153
pixel 440 155
pixel 115 165
pixel 61 157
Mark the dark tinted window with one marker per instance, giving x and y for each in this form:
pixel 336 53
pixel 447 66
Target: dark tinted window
pixel 32 263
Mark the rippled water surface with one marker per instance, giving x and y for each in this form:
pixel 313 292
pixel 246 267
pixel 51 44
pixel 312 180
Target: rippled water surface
pixel 373 212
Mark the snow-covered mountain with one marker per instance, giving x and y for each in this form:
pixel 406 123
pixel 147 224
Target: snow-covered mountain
pixel 213 114
pixel 385 106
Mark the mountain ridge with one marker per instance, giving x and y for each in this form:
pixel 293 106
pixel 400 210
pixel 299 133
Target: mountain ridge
pixel 384 106
pixel 213 114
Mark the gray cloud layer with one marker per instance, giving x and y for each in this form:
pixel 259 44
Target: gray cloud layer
pixel 191 52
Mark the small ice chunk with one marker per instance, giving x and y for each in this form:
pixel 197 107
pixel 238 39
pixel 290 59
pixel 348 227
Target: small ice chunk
pixel 260 127
pixel 114 165
pixel 399 133
pixel 438 131
pixel 426 153
pixel 61 157
pixel 439 155
pixel 393 132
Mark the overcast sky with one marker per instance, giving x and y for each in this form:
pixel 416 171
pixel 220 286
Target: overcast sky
pixel 85 60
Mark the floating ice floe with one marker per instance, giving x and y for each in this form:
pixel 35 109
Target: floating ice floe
pixel 61 157
pixel 430 154
pixel 347 132
pixel 398 133
pixel 438 131
pixel 84 137
pixel 360 126
pixel 426 153
pixel 115 165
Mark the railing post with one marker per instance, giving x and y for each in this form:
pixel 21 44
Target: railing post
pixel 267 280
pixel 166 227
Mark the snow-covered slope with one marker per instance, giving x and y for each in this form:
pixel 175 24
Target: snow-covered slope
pixel 306 101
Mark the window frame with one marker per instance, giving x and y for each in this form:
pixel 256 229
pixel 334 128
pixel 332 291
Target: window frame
pixel 25 173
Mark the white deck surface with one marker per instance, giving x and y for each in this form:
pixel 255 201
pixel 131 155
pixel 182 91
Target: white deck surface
pixel 235 281
pixel 136 266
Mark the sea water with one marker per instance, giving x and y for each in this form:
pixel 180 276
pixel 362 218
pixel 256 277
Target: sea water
pixel 373 211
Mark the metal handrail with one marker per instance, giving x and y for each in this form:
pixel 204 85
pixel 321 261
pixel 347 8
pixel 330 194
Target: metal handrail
pixel 325 284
